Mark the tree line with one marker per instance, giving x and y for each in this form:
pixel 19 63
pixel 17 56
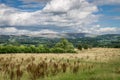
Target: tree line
pixel 63 46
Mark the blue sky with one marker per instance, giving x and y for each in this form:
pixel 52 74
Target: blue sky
pixel 57 16
pixel 111 15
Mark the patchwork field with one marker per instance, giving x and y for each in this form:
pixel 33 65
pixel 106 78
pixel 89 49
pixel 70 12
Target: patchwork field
pixel 92 64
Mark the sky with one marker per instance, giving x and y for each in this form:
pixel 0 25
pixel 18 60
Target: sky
pixel 33 17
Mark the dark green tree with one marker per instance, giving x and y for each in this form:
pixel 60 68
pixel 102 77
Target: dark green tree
pixel 85 46
pixel 79 46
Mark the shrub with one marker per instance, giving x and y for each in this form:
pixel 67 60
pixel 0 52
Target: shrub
pixel 57 50
pixel 79 47
pixel 85 46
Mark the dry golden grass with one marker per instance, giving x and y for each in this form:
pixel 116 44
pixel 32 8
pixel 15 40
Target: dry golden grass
pixel 95 54
pixel 40 66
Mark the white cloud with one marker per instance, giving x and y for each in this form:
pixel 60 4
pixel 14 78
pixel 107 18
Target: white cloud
pixel 13 30
pixel 58 6
pixel 75 15
pixel 53 34
pixel 97 29
pixel 8 30
pixel 108 30
pixel 53 14
pixel 11 16
pixel 42 33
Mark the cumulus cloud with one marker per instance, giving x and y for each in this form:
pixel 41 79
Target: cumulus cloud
pixel 74 15
pixel 67 14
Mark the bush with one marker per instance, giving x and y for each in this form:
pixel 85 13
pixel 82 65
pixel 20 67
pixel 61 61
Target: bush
pixel 79 47
pixel 85 46
pixel 57 50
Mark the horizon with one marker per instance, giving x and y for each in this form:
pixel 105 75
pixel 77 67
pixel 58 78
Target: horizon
pixel 34 17
pixel 48 35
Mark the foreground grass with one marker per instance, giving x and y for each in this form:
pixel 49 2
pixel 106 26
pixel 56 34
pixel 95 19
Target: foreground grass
pixel 89 69
pixel 100 71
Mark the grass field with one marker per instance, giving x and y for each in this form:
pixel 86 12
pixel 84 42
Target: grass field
pixel 92 64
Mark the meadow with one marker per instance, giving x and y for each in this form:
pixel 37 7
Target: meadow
pixel 91 64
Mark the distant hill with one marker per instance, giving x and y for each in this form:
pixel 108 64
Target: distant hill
pixel 53 35
pixel 60 35
pixel 107 40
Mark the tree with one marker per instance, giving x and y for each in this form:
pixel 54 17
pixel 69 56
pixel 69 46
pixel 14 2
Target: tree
pixel 23 49
pixel 33 48
pixel 57 50
pixel 65 45
pixel 80 47
pixel 42 49
pixel 85 46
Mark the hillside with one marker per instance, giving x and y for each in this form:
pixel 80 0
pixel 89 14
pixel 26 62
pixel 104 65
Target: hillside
pixel 108 40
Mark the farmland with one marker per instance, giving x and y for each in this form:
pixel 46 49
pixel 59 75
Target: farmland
pixel 91 64
pixel 59 39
